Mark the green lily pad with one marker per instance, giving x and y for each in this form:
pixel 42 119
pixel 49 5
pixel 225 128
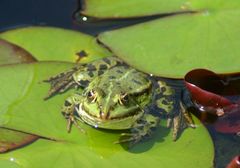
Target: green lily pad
pixel 172 46
pixel 133 8
pixel 22 107
pixel 10 54
pixel 9 163
pixel 48 43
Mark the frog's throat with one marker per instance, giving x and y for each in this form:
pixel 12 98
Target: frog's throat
pixel 117 124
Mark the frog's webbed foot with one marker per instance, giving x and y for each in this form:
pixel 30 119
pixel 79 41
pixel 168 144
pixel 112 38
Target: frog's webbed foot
pixel 180 121
pixel 142 129
pixel 68 111
pixel 70 121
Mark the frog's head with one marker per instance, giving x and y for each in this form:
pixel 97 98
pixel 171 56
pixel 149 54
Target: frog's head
pixel 113 104
pixel 112 98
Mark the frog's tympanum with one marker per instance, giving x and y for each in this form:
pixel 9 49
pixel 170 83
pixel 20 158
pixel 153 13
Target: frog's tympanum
pixel 116 96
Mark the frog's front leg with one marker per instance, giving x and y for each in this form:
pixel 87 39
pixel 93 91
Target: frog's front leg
pixel 69 110
pixel 142 128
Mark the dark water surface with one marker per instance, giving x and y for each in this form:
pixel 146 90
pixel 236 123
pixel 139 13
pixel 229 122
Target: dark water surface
pixel 60 13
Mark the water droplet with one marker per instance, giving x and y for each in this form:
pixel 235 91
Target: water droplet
pixel 84 18
pixel 96 126
pixel 12 159
pixel 201 108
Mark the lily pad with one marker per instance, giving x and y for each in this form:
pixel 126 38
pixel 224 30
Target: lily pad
pixel 23 108
pixel 11 139
pixel 172 46
pixel 10 54
pixel 9 164
pixel 222 92
pixel 49 43
pixel 133 8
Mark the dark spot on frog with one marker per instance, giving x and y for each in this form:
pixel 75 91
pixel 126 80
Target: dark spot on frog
pixel 163 89
pixel 112 77
pixel 103 66
pixel 81 55
pixel 91 67
pixel 119 71
pixel 137 82
pixel 90 73
pixel 100 72
pixel 130 88
pixel 107 61
pixel 84 83
pixel 75 68
pixel 165 102
pixel 66 103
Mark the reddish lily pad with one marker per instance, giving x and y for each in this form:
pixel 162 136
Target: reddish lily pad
pixel 11 53
pixel 213 93
pixel 204 83
pixel 235 163
pixel 11 139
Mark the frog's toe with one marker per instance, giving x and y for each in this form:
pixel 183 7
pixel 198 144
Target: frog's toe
pixel 126 134
pixel 135 136
pixel 181 121
pixel 128 137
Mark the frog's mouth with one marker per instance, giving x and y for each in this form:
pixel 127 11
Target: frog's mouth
pixel 123 122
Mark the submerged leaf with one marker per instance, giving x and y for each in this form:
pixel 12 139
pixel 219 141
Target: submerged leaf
pixel 230 122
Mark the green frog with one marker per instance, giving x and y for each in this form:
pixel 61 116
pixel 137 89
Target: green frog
pixel 118 97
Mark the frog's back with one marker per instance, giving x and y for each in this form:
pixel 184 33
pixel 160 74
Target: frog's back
pixel 129 80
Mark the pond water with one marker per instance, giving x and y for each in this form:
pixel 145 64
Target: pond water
pixel 60 13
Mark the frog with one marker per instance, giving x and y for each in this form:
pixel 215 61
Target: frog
pixel 112 95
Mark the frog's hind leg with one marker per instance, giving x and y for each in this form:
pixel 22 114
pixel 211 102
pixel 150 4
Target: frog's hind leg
pixel 142 129
pixel 61 82
pixel 80 75
pixel 181 121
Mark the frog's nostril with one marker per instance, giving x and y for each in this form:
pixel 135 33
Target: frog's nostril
pixel 103 115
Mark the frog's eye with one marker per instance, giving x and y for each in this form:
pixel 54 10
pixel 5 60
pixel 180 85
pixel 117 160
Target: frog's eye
pixel 124 98
pixel 92 96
